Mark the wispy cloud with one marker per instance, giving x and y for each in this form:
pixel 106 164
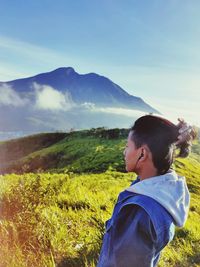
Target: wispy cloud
pixel 29 50
pixel 88 105
pixel 48 98
pixel 112 110
pixel 25 59
pixel 8 97
pixel 19 54
pixel 120 111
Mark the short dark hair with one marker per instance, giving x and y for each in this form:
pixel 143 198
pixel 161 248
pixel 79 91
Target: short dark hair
pixel 160 136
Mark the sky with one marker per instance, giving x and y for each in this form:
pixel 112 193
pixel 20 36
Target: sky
pixel 149 48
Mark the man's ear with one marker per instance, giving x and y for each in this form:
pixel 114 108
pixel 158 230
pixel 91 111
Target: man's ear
pixel 143 154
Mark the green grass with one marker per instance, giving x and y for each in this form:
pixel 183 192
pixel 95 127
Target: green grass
pixel 58 219
pixel 13 152
pixel 85 151
pixel 56 216
pixel 92 151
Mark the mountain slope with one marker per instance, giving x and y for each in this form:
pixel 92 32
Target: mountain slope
pixel 63 99
pixel 91 151
pixel 82 88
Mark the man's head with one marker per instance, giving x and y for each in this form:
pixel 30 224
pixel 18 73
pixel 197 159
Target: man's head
pixel 152 140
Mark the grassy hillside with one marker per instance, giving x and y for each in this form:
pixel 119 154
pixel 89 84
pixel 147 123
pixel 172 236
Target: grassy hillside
pixel 12 152
pixel 92 150
pixel 85 151
pixel 58 219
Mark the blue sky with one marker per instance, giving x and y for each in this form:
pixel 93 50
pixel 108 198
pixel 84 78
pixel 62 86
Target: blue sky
pixel 150 48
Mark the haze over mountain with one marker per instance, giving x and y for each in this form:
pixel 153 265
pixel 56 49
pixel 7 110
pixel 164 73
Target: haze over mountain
pixel 63 99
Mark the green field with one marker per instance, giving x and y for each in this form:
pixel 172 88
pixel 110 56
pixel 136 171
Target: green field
pixel 56 216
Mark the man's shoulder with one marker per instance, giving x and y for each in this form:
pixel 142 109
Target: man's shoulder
pixel 159 216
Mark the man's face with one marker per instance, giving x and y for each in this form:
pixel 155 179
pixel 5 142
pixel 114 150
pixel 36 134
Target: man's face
pixel 131 154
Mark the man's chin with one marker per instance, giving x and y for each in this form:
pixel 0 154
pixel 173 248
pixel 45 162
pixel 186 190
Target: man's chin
pixel 128 169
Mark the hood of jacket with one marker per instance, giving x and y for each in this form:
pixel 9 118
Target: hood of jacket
pixel 170 190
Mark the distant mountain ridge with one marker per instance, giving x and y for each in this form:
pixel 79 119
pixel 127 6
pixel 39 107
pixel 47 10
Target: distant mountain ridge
pixel 63 99
pixel 82 88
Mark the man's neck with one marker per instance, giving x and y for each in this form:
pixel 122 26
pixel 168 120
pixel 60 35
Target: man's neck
pixel 147 173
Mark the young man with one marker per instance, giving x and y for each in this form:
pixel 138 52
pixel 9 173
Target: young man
pixel 146 213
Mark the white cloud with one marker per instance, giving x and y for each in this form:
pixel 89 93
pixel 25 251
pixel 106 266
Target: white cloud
pixel 8 97
pixel 122 111
pixel 48 98
pixel 88 105
pixel 113 110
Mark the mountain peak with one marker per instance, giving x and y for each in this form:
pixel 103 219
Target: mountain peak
pixel 65 70
pixel 75 100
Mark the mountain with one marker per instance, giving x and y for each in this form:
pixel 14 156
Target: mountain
pixel 83 88
pixel 63 99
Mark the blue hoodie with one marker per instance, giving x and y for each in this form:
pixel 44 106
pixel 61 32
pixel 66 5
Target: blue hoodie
pixel 143 221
